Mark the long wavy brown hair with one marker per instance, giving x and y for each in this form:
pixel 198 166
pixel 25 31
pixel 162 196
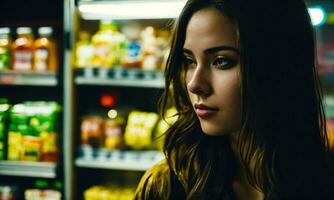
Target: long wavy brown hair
pixel 283 120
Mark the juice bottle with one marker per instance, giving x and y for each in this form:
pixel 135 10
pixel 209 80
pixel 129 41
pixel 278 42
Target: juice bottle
pixel 4 48
pixel 109 45
pixel 83 50
pixel 102 41
pixel 45 58
pixel 22 49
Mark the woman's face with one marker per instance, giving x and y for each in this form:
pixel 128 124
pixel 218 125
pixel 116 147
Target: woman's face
pixel 211 58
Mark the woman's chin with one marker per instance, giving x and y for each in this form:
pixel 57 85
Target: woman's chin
pixel 214 132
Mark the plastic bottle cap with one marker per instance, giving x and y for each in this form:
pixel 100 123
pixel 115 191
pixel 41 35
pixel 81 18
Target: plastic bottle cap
pixel 23 30
pixel 4 30
pixel 45 30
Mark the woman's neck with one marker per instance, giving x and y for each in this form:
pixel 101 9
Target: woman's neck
pixel 243 189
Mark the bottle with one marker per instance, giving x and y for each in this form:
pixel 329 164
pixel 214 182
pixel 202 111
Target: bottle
pixel 102 42
pixel 83 51
pixel 4 48
pixel 45 58
pixel 109 45
pixel 149 49
pixel 22 49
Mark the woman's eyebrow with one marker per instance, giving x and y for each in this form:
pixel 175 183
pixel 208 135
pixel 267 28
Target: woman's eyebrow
pixel 220 48
pixel 187 51
pixel 214 50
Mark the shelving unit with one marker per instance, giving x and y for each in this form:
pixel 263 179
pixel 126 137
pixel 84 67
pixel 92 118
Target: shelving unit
pixel 136 86
pixel 28 169
pixel 28 78
pixel 128 160
pixel 120 77
pixel 28 87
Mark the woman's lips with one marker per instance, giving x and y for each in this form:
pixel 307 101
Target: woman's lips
pixel 204 111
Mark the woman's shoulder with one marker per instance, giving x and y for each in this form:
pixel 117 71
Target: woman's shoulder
pixel 155 183
pixel 158 183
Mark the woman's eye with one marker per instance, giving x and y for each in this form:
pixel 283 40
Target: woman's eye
pixel 189 62
pixel 221 62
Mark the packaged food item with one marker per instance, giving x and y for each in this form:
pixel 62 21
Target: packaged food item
pixel 52 195
pixel 43 124
pixel 110 192
pixel 102 42
pixel 22 49
pixel 133 56
pixel 149 48
pixel 84 50
pixel 92 133
pixel 163 48
pixel 109 45
pixel 39 194
pixel 113 129
pixel 31 147
pixel 8 192
pixel 45 53
pixel 4 110
pixel 139 129
pixel 18 126
pixel 5 43
pixel 32 134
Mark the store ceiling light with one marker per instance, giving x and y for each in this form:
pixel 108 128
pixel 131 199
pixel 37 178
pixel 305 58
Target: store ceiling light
pixel 160 9
pixel 318 15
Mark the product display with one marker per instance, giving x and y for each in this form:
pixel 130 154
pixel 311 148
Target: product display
pixel 32 132
pixel 132 48
pixel 27 53
pixel 109 192
pixel 137 132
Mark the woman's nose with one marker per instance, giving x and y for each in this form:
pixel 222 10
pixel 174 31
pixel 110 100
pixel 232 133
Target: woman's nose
pixel 199 82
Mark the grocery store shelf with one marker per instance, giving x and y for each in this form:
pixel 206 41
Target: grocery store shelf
pixel 120 77
pixel 28 78
pixel 28 169
pixel 131 161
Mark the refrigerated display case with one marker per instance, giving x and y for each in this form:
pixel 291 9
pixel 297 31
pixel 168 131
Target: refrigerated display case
pixel 116 53
pixel 27 130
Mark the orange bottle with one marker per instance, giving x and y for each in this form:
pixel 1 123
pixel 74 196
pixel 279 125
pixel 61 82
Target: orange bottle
pixel 22 49
pixel 45 58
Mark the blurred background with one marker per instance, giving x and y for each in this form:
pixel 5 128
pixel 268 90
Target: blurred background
pixel 79 84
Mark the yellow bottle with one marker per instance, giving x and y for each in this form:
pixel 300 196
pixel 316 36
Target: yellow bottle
pixel 83 51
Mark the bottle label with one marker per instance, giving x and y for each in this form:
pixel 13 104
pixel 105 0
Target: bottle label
pixel 41 59
pixel 22 60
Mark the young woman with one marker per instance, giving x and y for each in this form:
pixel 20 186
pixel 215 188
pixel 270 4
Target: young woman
pixel 242 75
